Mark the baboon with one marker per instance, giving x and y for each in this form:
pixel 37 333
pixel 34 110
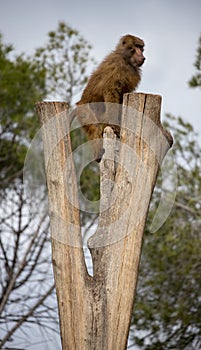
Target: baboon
pixel 119 73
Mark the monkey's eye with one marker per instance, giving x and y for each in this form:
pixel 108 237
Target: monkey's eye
pixel 139 47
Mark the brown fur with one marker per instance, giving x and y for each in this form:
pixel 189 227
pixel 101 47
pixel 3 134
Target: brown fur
pixel 119 73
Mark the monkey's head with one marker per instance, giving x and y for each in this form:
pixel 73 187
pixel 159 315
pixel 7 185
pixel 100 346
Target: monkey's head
pixel 132 47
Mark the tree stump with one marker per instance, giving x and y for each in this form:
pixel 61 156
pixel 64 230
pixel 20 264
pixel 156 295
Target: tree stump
pixel 95 311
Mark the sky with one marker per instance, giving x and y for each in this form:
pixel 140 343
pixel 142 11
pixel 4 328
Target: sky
pixel 170 29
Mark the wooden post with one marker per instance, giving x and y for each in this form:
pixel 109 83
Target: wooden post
pixel 95 312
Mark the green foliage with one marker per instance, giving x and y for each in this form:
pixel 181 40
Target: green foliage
pixel 60 69
pixel 167 311
pixel 65 57
pixel 196 79
pixel 24 248
pixel 22 83
pixel 90 184
pixel 88 178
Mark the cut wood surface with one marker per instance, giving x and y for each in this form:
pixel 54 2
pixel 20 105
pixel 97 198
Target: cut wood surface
pixel 95 311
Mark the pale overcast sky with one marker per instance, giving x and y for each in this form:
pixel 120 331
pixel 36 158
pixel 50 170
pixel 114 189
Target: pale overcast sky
pixel 170 30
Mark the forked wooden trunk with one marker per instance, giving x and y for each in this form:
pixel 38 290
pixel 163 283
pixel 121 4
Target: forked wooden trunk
pixel 95 311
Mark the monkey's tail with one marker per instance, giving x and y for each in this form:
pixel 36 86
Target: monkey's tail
pixel 92 127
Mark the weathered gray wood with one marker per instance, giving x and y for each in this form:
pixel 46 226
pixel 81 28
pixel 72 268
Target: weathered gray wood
pixel 143 145
pixel 67 254
pixel 95 311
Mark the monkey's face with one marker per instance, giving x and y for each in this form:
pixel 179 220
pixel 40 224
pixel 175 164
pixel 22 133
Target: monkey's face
pixel 137 59
pixel 132 49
